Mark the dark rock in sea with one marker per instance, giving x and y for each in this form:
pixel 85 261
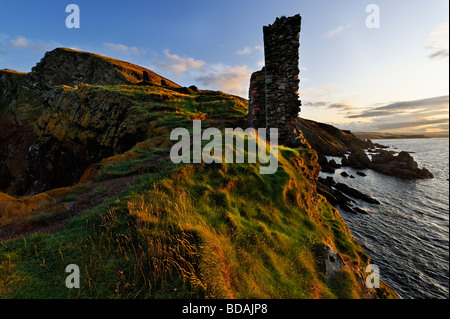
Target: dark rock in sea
pixel 355 193
pixel 380 146
pixel 351 176
pixel 361 173
pixel 401 166
pixel 344 174
pixel 327 167
pixel 330 181
pixel 322 159
pixel 357 159
pixel 326 187
pixel 333 196
pixel 332 163
pixel 387 162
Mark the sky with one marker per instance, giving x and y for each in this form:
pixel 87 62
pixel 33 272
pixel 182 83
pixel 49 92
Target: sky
pixel 391 78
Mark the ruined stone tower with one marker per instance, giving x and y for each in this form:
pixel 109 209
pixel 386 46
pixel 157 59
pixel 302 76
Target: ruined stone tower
pixel 273 92
pixel 257 100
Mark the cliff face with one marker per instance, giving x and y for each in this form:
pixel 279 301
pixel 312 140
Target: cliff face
pixel 51 133
pixel 329 140
pixel 10 83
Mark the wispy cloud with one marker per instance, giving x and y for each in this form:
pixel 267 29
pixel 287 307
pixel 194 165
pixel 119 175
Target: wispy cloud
pixel 412 125
pixel 438 43
pixel 439 55
pixel 423 115
pixel 178 65
pixel 345 107
pixel 316 91
pixel 430 104
pixel 247 50
pixel 337 31
pixel 127 50
pixel 22 42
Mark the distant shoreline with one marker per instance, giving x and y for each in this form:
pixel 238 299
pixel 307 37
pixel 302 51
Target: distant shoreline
pixel 385 136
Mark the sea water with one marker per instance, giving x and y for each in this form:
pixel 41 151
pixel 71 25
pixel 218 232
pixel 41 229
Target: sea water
pixel 407 235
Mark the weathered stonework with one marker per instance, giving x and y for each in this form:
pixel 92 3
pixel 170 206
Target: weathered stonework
pixel 257 100
pixel 279 100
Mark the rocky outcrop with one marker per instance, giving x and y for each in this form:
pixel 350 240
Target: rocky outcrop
pixel 328 260
pixel 401 166
pixel 357 159
pixel 71 67
pixel 339 194
pixel 349 191
pixel 386 162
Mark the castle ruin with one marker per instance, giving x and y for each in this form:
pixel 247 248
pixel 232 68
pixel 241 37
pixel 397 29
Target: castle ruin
pixel 273 93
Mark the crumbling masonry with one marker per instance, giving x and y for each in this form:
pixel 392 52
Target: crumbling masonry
pixel 273 94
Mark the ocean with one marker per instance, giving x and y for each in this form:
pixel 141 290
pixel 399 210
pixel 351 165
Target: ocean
pixel 407 235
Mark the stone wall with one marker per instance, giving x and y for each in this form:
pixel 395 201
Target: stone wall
pixel 257 100
pixel 281 82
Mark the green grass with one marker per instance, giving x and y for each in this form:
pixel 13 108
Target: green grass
pixel 193 231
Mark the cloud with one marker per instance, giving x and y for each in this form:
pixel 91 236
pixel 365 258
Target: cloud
pixel 316 91
pixel 179 65
pixel 244 51
pixel 247 50
pixel 341 107
pixel 423 115
pixel 442 30
pixel 438 43
pixel 439 55
pixel 430 104
pixel 230 79
pixel 22 42
pixel 123 48
pixel 337 32
pixel 416 125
